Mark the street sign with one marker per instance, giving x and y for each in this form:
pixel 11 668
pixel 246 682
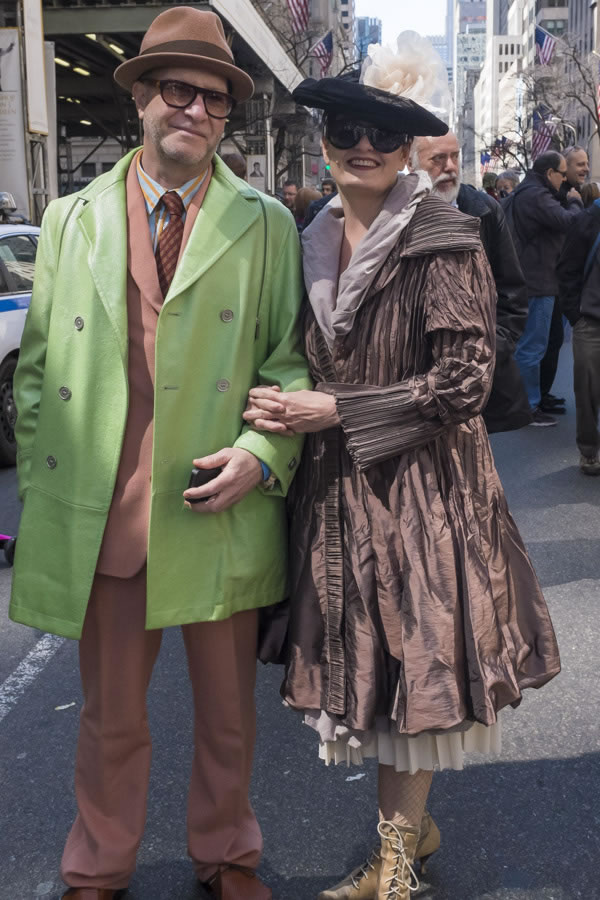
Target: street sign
pixel 13 166
pixel 37 108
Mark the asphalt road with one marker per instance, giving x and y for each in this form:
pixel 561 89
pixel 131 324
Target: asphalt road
pixel 524 827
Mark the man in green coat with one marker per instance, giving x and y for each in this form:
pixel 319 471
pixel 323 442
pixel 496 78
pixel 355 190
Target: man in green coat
pixel 164 291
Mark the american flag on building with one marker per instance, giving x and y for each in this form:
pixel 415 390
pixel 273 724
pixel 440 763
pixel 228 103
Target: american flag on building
pixel 484 162
pixel 323 51
pixel 542 135
pixel 544 45
pixel 298 14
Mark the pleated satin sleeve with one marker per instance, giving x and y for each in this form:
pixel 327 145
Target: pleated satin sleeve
pixel 382 422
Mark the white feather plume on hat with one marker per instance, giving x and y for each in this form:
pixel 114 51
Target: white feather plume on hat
pixel 415 70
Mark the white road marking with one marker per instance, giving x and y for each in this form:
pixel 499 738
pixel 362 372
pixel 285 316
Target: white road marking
pixel 27 671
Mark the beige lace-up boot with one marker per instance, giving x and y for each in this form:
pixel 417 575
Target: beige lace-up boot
pixel 429 841
pixel 361 883
pixel 397 878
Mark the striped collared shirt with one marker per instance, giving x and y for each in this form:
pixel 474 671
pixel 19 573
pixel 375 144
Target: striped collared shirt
pixel 158 215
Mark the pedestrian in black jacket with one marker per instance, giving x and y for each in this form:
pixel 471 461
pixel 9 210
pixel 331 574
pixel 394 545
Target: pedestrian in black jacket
pixel 538 223
pixel 507 407
pixel 578 170
pixel 578 274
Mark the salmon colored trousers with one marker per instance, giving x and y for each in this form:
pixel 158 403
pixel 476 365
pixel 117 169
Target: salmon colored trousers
pixel 116 657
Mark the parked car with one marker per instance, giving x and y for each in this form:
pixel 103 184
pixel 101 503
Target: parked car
pixel 18 246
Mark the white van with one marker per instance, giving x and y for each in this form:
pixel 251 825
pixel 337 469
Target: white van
pixel 18 246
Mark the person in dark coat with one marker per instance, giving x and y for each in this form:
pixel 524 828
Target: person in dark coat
pixel 578 170
pixel 578 273
pixel 508 406
pixel 538 222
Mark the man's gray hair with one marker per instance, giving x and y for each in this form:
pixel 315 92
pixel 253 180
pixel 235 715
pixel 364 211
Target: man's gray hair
pixel 568 151
pixel 418 144
pixel 511 176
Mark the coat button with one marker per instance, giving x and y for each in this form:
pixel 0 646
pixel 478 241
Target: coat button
pixel 51 462
pixel 226 315
pixel 292 463
pixel 79 323
pixel 223 385
pixel 64 393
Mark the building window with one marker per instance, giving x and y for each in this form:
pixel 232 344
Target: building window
pixel 500 50
pixel 88 170
pixel 512 49
pixel 107 166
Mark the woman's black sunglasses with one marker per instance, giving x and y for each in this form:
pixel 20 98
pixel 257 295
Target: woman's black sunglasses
pixel 180 94
pixel 344 134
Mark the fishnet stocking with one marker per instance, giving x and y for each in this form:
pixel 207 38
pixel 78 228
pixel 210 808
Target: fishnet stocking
pixel 402 797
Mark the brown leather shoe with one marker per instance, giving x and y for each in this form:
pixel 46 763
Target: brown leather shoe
pixel 238 883
pixel 94 893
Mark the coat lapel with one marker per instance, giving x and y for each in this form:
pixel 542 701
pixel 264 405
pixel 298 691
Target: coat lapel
pixel 103 221
pixel 225 215
pixel 192 214
pixel 140 254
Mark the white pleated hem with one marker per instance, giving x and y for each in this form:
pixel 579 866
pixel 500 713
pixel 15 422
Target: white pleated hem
pixel 409 753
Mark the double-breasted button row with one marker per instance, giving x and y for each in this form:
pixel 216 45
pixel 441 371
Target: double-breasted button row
pixel 226 315
pixel 79 323
pixel 64 393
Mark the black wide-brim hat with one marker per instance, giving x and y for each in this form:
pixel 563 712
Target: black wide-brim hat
pixel 361 102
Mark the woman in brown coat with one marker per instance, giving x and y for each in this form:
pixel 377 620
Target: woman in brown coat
pixel 416 615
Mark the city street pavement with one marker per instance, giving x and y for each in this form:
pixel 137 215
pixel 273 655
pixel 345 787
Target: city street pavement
pixel 523 827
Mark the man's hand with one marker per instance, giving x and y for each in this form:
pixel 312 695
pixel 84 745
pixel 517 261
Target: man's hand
pixel 573 195
pixel 241 473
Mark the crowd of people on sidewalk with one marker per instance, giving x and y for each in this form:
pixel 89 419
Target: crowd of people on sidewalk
pixel 328 404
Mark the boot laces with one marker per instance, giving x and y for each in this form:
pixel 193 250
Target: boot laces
pixel 364 869
pixel 403 874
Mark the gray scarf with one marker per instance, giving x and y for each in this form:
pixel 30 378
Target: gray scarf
pixel 335 307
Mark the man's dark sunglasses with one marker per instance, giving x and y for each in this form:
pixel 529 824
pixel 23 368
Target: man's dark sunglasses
pixel 180 94
pixel 344 134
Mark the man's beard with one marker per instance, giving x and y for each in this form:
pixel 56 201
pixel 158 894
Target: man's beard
pixel 449 194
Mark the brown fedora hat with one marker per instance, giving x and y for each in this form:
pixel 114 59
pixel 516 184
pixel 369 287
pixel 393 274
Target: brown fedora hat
pixel 186 36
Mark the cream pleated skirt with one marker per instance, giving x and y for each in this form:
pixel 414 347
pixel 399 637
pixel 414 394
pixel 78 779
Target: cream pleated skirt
pixel 406 753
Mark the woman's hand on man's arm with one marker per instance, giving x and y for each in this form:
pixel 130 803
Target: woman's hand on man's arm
pixel 295 412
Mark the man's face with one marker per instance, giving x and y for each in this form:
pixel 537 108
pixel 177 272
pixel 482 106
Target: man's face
pixel 289 195
pixel 327 189
pixel 557 176
pixel 578 168
pixel 186 137
pixel 440 158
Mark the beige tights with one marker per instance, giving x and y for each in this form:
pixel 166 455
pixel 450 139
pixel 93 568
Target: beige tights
pixel 402 797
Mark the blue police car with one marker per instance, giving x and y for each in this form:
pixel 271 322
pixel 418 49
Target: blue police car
pixel 18 245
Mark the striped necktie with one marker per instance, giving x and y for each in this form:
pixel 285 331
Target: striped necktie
pixel 169 243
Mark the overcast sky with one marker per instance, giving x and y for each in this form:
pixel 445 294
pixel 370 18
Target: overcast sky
pixel 424 16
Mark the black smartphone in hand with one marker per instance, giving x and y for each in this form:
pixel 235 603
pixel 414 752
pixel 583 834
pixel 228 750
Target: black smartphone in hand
pixel 200 477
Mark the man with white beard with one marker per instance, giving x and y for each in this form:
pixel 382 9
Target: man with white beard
pixel 507 407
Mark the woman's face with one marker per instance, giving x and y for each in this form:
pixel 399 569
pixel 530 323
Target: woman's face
pixel 364 167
